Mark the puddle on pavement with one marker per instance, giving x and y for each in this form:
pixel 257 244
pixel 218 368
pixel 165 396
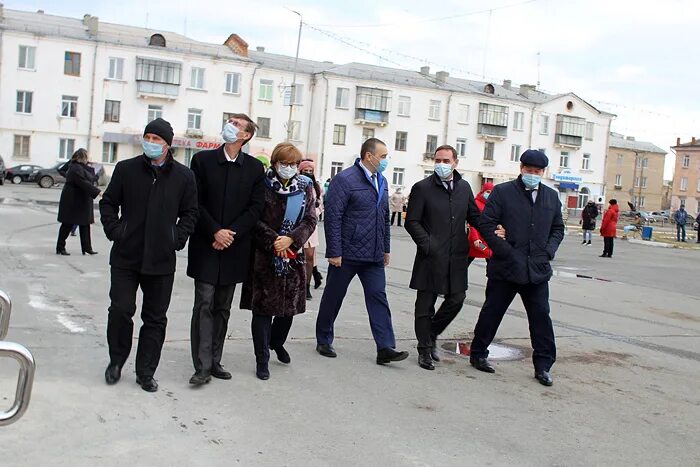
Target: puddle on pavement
pixel 499 352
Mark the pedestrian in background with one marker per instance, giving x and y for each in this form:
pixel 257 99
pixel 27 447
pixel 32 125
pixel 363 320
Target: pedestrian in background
pixel 697 226
pixel 76 204
pixel 308 168
pixel 588 217
pixel 681 218
pixel 477 245
pixel 397 202
pixel 608 228
pixel 275 290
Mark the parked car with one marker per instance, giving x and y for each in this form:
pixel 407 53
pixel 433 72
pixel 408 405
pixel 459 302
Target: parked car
pixel 660 216
pixel 22 173
pixel 46 178
pixel 2 171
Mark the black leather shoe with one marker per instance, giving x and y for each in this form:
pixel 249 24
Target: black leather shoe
pixel 544 378
pixel 425 361
pixel 147 383
pixel 90 252
pixel 604 256
pixel 62 252
pixel 200 377
pixel 390 355
pixel 318 278
pixel 113 373
pixel 282 355
pixel 217 371
pixel 308 292
pixel 262 371
pixel 481 364
pixel 326 350
pixel 434 354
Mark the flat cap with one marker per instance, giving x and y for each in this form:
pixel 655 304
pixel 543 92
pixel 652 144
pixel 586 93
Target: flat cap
pixel 534 158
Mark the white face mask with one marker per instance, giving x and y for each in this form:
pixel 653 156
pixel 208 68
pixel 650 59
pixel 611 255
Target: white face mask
pixel 230 133
pixel 444 171
pixel 287 171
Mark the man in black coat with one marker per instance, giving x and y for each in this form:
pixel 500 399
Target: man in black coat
pixel 530 212
pixel 157 197
pixel 231 191
pixel 438 210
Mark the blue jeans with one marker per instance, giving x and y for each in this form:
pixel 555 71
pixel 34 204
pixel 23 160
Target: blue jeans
pixel 680 228
pixel 587 235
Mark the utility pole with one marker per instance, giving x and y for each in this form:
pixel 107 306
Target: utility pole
pixel 293 90
pixel 641 177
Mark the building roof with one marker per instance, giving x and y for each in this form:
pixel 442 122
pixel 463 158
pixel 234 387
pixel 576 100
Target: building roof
pixel 620 142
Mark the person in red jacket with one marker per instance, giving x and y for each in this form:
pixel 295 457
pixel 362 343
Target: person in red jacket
pixel 608 229
pixel 477 246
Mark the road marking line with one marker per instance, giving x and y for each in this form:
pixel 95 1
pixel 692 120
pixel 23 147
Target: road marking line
pixel 68 324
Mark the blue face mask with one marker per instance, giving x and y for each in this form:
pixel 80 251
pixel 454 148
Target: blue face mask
pixel 383 163
pixel 531 180
pixel 444 170
pixel 230 133
pixel 152 150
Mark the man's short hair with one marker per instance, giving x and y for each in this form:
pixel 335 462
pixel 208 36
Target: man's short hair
pixel 370 145
pixel 250 127
pixel 447 147
pixel 613 201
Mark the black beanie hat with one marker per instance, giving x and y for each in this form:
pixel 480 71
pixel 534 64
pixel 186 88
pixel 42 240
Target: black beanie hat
pixel 161 128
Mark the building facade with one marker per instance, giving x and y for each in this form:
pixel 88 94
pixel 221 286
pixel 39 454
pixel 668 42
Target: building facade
pixel 686 176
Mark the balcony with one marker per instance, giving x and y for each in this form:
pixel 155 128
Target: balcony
pixel 569 131
pixel 372 117
pixel 495 131
pixel 372 106
pixel 158 78
pixel 493 121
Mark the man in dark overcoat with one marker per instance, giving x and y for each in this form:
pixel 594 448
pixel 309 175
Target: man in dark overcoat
pixel 438 210
pixel 530 212
pixel 231 190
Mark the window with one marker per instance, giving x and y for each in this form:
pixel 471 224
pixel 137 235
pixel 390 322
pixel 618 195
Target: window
pixel 404 106
pixel 71 64
pixel 197 78
pixel 336 168
pixel 434 110
pixel 461 147
pixel 367 133
pixel 431 144
pixel 109 153
pixel 189 152
pixel 684 183
pixel 493 120
pixel 154 111
pixel 586 162
pixel 157 40
pixel 618 180
pixel 644 182
pixel 265 91
pixel 27 57
pixel 342 98
pixel 401 140
pixel 298 94
pixel 397 176
pixel 638 201
pixel 158 76
pixel 590 126
pixel 66 148
pixel 69 106
pixel 462 113
pixel 489 148
pixel 194 119
pixel 24 102
pixel 620 159
pixel 295 131
pixel 518 119
pixel 636 182
pixel 339 134
pixel 583 195
pixel 116 68
pixel 21 150
pixel 515 153
pixel 373 99
pixel 564 159
pixel 112 111
pixel 544 125
pixel 686 161
pixel 645 162
pixel 233 83
pixel 263 127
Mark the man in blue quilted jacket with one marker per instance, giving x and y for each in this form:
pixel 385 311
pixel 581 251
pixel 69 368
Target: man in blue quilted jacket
pixel 357 244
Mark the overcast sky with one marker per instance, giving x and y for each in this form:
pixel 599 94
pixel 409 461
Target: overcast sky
pixel 636 59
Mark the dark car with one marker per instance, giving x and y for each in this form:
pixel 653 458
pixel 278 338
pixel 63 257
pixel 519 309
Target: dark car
pixel 46 178
pixel 2 171
pixel 22 173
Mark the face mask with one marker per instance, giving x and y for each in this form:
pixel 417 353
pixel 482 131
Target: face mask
pixel 444 170
pixel 230 133
pixel 152 150
pixel 286 172
pixel 531 180
pixel 383 163
pixel 486 195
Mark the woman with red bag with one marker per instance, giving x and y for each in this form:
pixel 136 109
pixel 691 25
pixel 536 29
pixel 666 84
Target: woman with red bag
pixel 477 246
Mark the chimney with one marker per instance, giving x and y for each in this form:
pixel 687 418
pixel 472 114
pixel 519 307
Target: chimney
pixel 678 141
pixel 442 76
pixel 507 84
pixel 630 138
pixel 41 12
pixel 692 142
pixel 525 89
pixel 425 70
pixel 91 22
pixel 260 49
pixel 237 45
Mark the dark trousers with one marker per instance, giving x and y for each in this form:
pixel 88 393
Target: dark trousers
pixel 268 333
pixel 535 297
pixel 608 243
pixel 394 214
pixel 373 282
pixel 212 308
pixel 64 231
pixel 430 324
pixel 680 232
pixel 157 291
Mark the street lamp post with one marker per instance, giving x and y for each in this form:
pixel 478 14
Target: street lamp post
pixel 293 90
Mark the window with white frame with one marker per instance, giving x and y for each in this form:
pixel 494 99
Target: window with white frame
pixel 401 141
pixel 590 127
pixel 367 133
pixel 434 110
pixel 71 63
pixel 618 180
pixel 154 111
pixel 109 153
pixel 397 176
pixel 515 153
pixel 21 147
pixel 233 83
pixel 684 183
pixel 404 106
pixel 686 161
pixel 489 149
pixel 265 90
pixel 342 98
pixel 194 119
pixel 644 182
pixel 115 69
pixel 298 94
pixel 263 127
pixel 197 78
pixel 66 148
pixel 69 106
pixel 295 132
pixel 339 134
pixel 462 113
pixel 645 162
pixel 586 162
pixel 636 182
pixel 638 201
pixel 27 57
pixel 461 147
pixel 112 111
pixel 544 124
pixel 336 168
pixel 24 102
pixel 583 196
pixel 564 159
pixel 431 144
pixel 518 121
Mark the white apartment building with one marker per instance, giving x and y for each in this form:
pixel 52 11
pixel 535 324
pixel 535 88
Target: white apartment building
pixel 67 83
